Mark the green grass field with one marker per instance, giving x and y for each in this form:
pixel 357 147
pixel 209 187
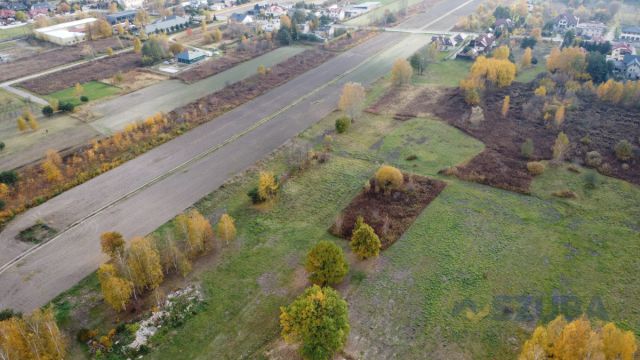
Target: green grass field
pixel 444 72
pixel 94 90
pixel 456 285
pixel 16 32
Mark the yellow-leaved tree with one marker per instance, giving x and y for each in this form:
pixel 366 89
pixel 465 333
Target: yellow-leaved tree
pixel 578 340
pixel 352 99
pixel 226 228
pixel 401 72
pixel 527 57
pixel 560 147
pixel 144 265
pixel 267 186
pixel 33 336
pixel 22 124
pixel 501 53
pixel 116 290
pixel 505 105
pixel 571 61
pixel 199 233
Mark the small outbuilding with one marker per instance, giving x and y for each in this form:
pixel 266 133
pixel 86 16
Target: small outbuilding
pixel 191 56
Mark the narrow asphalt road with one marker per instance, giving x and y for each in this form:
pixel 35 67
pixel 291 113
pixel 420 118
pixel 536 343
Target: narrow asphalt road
pixel 143 193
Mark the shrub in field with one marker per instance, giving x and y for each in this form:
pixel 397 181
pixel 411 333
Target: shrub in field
pixel 8 177
pixel 267 186
pixel 364 241
pixel 590 180
pixel 318 320
pixel 342 124
pixel 535 168
pixel 623 150
pixel 84 98
pixel 388 177
pixel 593 159
pixel 2 145
pixel 527 149
pixel 47 110
pixel 67 107
pixel 326 264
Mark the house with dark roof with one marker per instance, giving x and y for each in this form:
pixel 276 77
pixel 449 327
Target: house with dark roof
pixel 565 22
pixel 632 66
pixel 502 24
pixel 444 43
pixel 241 18
pixel 483 43
pixel 630 33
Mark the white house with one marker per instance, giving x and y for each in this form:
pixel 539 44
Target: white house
pixel 566 22
pixel 275 11
pixel 632 65
pixel 618 51
pixel 131 4
pixel 335 12
pixel 69 33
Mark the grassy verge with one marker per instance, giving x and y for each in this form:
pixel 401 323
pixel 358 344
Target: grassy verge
pixel 444 72
pixel 453 286
pixel 16 31
pixel 94 90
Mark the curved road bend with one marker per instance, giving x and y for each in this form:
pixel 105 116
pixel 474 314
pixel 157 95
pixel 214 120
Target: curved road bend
pixel 142 194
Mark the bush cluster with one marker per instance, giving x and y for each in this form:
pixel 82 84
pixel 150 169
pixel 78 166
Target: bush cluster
pixel 535 168
pixel 343 124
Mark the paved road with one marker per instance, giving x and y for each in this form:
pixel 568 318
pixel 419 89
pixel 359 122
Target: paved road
pixel 142 194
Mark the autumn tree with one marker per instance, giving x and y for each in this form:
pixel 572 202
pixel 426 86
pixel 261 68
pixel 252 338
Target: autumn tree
pixel 104 28
pixel 51 166
pixel 285 21
pixel 199 233
pixel 388 178
pixel 22 124
pixel 326 264
pixel 318 320
pixel 559 116
pixel 30 119
pixel 352 99
pixel 401 72
pixel 578 340
pixel 143 262
pixel 501 53
pixel 34 336
pixel 364 241
pixel 217 35
pixel 525 62
pixel 571 61
pixel 560 147
pixel 505 106
pixel 112 244
pixel 78 90
pixel 226 228
pixel 115 290
pixel 500 72
pixel 137 45
pixel 267 186
pixel 623 150
pixel 540 91
pixel 262 70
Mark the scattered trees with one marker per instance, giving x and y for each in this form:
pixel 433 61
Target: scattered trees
pixel 226 228
pixel 318 320
pixel 35 336
pixel 143 261
pixel 571 61
pixel 352 99
pixel 326 264
pixel 401 72
pixel 364 241
pixel 578 340
pixel 115 290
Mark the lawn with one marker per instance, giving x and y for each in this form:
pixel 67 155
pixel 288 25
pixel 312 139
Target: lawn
pixel 464 280
pixel 444 72
pixel 15 32
pixel 94 90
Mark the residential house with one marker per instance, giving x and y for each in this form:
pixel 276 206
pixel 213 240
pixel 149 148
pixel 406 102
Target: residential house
pixel 190 56
pixel 359 9
pixel 269 25
pixel 275 11
pixel 630 33
pixel 618 51
pixel 565 22
pixel 632 66
pixel 167 24
pixel 7 14
pixel 121 17
pixel 444 43
pixel 591 30
pixel 335 12
pixel 503 24
pixel 243 19
pixel 483 43
pixel 42 8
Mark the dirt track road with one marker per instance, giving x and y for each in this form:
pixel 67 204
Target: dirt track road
pixel 143 193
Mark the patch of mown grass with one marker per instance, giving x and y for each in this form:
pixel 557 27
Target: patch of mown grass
pixel 528 75
pixel 444 72
pixel 16 32
pixel 94 90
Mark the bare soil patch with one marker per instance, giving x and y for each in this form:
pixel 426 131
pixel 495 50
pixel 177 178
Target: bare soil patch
pixel 502 164
pixel 389 214
pixel 215 66
pixel 94 70
pixel 56 57
pixel 407 102
pixel 135 80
